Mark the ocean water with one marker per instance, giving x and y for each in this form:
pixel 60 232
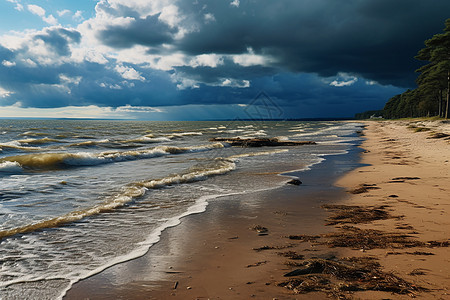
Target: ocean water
pixel 79 196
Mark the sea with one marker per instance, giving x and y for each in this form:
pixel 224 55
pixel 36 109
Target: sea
pixel 79 196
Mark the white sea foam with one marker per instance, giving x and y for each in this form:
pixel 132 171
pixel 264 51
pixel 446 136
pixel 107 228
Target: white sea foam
pixel 183 134
pixel 147 139
pixel 10 167
pixel 17 145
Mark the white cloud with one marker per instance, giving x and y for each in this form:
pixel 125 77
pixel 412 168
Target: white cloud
pixel 93 55
pixel 31 51
pixel 5 93
pixel 18 7
pixel 8 63
pixel 29 62
pixel 371 82
pixel 70 80
pixel 185 83
pixel 110 86
pixel 251 59
pixel 50 20
pixel 344 79
pixel 170 15
pixel 235 3
pixel 168 62
pixel 229 82
pixel 207 60
pixel 37 10
pixel 129 73
pixel 140 109
pixel 209 18
pixel 78 16
pixel 63 12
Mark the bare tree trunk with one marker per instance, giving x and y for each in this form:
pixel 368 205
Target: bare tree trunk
pixel 440 104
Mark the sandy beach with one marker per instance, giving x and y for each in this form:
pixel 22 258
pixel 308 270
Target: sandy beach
pixel 380 231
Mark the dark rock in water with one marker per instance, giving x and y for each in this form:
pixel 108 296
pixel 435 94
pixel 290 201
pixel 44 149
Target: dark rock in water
pixel 260 142
pixel 295 182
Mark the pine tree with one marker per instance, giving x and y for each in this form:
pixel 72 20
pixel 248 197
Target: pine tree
pixel 435 76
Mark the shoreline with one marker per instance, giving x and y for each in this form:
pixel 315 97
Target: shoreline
pixel 212 255
pixel 224 230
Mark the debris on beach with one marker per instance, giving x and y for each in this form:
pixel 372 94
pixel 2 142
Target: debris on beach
pixel 417 272
pixel 366 239
pixel 338 278
pixel 291 254
pixel 405 178
pixel 260 142
pixel 418 128
pixel 344 214
pixel 259 263
pixel 259 229
pixel 363 188
pixel 438 135
pixel 266 247
pixel 303 237
pixel 410 253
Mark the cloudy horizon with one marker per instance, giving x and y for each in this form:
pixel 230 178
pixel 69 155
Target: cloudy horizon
pixel 200 59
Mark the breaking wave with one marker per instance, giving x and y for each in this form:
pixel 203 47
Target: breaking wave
pixel 128 193
pixel 10 167
pixel 49 161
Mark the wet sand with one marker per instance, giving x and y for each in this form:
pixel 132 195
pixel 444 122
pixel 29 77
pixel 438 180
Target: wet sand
pixel 212 255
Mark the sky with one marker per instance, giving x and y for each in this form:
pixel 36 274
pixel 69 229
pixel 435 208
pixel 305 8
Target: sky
pixel 209 59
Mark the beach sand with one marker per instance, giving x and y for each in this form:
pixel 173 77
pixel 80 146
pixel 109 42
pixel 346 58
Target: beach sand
pixel 220 254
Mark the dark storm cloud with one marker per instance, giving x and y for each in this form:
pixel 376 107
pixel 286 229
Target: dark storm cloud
pixel 375 39
pixel 299 95
pixel 5 54
pixel 58 39
pixel 96 85
pixel 229 69
pixel 149 32
pixel 307 43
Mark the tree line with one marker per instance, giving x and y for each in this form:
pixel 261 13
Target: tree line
pixel 431 97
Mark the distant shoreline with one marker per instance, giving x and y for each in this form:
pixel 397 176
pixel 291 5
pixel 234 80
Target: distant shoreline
pixel 207 120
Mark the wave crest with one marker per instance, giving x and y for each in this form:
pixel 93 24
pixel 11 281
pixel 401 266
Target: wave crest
pixel 50 161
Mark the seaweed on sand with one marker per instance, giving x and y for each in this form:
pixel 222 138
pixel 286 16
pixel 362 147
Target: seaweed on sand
pixel 338 278
pixel 356 238
pixel 303 237
pixel 363 188
pixel 438 135
pixel 291 255
pixel 273 247
pixel 356 214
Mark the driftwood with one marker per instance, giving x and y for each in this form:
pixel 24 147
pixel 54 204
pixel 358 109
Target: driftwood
pixel 260 142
